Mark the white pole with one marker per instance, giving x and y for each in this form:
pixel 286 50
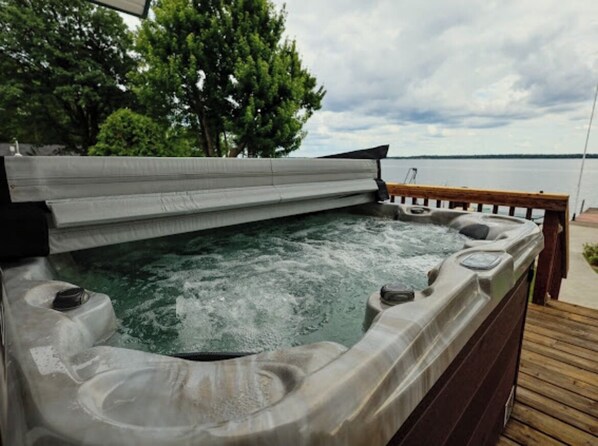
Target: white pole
pixel 18 152
pixel 585 150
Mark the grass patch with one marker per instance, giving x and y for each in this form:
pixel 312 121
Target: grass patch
pixel 590 252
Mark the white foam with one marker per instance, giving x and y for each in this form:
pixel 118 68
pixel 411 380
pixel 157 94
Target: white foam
pixel 272 285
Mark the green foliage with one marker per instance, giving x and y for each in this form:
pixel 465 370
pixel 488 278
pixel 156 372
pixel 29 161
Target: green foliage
pixel 590 252
pixel 63 68
pixel 126 133
pixel 222 69
pixel 216 74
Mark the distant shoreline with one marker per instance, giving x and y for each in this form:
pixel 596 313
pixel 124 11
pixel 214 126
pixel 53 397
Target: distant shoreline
pixel 515 156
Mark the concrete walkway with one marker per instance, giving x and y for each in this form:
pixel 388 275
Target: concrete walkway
pixel 581 285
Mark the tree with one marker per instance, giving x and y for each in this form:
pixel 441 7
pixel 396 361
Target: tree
pixel 126 133
pixel 63 68
pixel 221 68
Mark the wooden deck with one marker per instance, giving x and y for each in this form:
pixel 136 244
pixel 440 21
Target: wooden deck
pixel 557 394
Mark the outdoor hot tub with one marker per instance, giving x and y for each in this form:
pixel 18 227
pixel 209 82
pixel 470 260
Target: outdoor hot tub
pixel 430 363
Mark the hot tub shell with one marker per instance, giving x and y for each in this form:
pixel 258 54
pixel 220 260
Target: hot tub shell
pixel 421 374
pixel 75 391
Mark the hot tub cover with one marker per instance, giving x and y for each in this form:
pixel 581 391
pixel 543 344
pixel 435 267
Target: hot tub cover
pixel 96 201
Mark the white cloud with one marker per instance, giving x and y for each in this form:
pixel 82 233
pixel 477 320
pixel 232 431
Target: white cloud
pixel 440 77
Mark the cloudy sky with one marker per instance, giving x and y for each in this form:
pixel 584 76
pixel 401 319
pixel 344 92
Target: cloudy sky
pixel 449 77
pixel 428 78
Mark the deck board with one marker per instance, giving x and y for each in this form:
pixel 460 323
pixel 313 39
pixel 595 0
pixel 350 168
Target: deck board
pixel 559 355
pixel 574 400
pixel 557 395
pixel 567 338
pixel 576 329
pixel 558 346
pixel 506 441
pixel 522 434
pixel 556 311
pixel 572 308
pixel 583 379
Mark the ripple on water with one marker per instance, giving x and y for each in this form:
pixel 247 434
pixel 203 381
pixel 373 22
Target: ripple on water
pixel 260 287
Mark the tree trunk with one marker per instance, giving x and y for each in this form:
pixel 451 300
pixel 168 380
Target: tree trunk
pixel 206 133
pixel 235 151
pixel 218 145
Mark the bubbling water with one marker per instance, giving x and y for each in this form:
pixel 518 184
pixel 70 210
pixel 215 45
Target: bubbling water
pixel 258 287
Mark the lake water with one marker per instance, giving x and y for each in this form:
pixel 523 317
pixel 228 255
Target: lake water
pixel 530 175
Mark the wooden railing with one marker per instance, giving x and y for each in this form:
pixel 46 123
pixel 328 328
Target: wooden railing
pixel 553 262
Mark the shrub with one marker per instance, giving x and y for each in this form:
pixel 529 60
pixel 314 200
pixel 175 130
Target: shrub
pixel 590 252
pixel 126 133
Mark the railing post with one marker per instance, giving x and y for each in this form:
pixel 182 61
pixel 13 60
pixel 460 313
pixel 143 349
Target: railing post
pixel 556 278
pixel 561 261
pixel 547 259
